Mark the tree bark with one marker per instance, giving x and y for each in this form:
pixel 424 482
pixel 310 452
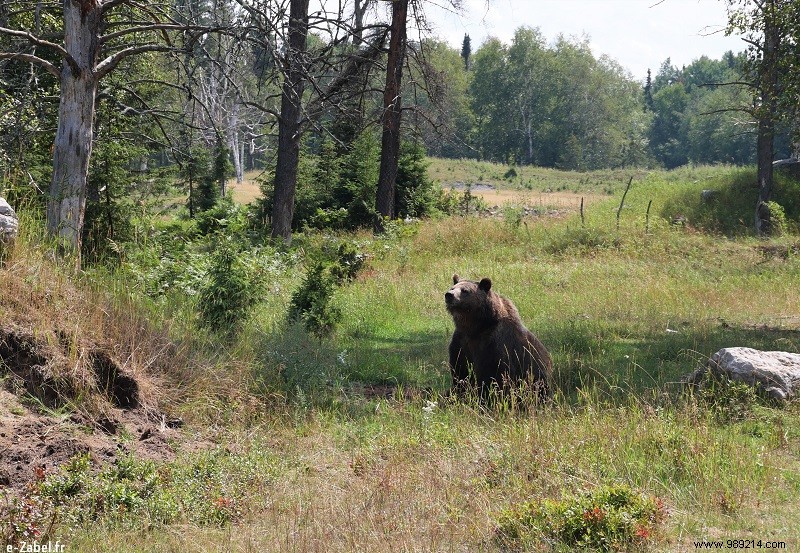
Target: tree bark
pixel 768 87
pixel 66 205
pixel 289 123
pixel 392 110
pixel 359 11
pixel 233 141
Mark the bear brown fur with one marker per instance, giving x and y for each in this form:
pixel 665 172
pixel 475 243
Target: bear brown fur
pixel 491 346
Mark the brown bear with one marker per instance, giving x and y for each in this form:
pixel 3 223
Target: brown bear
pixel 490 346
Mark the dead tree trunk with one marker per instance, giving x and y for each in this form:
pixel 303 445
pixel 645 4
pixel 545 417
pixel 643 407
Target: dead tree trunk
pixel 233 141
pixel 289 123
pixel 359 12
pixel 66 204
pixel 392 110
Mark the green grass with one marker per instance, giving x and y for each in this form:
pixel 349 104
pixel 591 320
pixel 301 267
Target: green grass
pixel 469 171
pixel 320 465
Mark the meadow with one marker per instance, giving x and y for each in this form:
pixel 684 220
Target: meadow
pixel 348 442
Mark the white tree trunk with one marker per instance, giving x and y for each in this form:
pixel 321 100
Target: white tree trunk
pixel 233 141
pixel 73 142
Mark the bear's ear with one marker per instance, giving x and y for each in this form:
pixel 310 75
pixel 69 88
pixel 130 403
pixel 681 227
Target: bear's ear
pixel 485 284
pixel 456 279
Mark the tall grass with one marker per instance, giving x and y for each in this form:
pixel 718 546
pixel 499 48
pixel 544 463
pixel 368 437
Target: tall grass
pixel 363 451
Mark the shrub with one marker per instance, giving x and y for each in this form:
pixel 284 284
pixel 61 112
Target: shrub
pixel 728 400
pixel 777 219
pixel 415 196
pixel 311 303
pixel 609 518
pixel 228 293
pixel 511 174
pixel 223 216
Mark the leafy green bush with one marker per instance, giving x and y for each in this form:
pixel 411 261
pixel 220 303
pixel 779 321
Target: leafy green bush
pixel 223 216
pixel 415 195
pixel 777 219
pixel 609 518
pixel 312 303
pixel 229 291
pixel 129 488
pixel 728 400
pixel 205 489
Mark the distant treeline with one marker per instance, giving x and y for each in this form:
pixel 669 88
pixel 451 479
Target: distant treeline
pixel 557 105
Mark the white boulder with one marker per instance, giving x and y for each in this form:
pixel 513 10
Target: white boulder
pixel 776 373
pixel 9 223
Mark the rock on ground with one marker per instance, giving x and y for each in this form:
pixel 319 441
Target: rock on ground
pixel 9 223
pixel 776 373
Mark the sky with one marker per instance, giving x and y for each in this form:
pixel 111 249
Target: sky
pixel 638 34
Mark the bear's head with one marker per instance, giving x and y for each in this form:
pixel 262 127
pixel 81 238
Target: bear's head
pixel 466 295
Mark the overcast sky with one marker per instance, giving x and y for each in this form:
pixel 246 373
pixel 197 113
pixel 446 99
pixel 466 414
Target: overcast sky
pixel 639 34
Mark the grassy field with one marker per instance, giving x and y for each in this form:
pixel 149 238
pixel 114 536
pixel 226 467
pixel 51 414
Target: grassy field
pixel 533 186
pixel 346 443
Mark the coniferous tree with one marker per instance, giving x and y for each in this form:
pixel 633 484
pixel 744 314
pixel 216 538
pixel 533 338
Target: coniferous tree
pixel 648 93
pixel 466 51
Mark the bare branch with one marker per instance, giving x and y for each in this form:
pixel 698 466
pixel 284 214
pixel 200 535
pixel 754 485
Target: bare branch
pixel 36 60
pixel 163 27
pixel 33 39
pixel 110 4
pixel 108 64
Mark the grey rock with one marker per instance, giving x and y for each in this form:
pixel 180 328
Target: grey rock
pixel 776 373
pixel 708 195
pixel 9 223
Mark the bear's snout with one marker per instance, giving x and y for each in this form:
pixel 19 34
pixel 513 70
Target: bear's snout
pixel 449 297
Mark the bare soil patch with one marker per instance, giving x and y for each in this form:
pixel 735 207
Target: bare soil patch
pixel 52 410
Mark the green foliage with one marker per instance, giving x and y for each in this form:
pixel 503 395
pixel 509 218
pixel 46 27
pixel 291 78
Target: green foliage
pixel 124 189
pixel 730 207
pixel 194 171
pixel 205 489
pixel 777 219
pixel 728 400
pixel 415 194
pixel 609 518
pixel 22 520
pixel 229 291
pixel 335 188
pixel 532 101
pixel 223 217
pixel 208 173
pixel 207 193
pixel 447 129
pixel 312 303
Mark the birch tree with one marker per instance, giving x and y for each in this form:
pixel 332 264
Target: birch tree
pixel 93 38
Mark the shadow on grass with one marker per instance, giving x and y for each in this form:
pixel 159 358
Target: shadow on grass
pixel 730 206
pixel 597 357
pixel 592 356
pixel 297 362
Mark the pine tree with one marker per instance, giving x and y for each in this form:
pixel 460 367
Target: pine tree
pixel 466 51
pixel 648 93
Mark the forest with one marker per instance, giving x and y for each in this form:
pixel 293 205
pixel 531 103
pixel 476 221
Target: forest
pixel 223 308
pixel 196 91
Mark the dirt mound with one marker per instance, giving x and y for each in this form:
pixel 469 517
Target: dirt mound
pixel 59 399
